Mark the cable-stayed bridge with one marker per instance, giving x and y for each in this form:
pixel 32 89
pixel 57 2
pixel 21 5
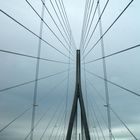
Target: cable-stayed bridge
pixel 52 88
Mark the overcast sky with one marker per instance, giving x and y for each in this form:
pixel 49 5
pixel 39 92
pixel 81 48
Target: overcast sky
pixel 123 69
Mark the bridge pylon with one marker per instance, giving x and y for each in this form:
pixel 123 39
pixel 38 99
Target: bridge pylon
pixel 78 97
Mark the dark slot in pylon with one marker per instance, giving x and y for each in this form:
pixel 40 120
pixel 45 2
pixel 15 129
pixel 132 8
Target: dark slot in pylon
pixel 78 96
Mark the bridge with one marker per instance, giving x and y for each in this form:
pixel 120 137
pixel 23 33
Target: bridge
pixel 54 89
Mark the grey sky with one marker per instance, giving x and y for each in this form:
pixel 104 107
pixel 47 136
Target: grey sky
pixel 122 69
